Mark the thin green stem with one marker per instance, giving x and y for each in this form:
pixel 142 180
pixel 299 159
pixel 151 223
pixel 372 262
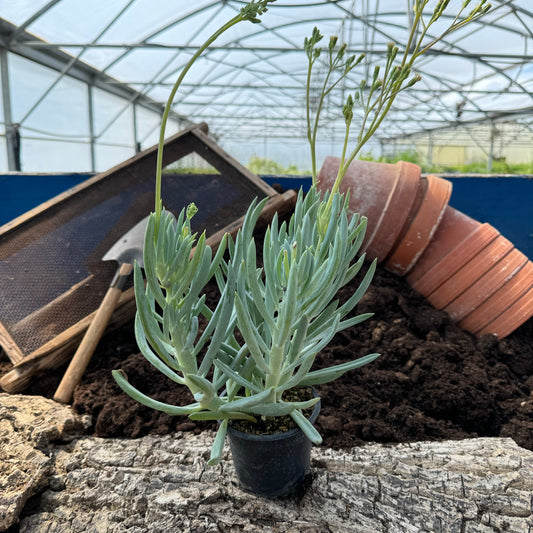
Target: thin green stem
pixel 345 146
pixel 325 91
pixel 378 119
pixel 315 127
pixel 448 31
pixel 336 83
pixel 414 27
pixel 168 106
pixel 308 107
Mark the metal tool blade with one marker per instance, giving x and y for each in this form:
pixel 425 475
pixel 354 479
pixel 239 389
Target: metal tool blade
pixel 129 248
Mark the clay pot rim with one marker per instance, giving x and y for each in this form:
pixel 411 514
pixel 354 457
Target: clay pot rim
pixel 396 211
pixel 424 225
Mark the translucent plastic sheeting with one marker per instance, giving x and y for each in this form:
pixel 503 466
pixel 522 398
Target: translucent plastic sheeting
pixel 251 82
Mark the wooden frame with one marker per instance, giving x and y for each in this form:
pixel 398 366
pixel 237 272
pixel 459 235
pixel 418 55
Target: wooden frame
pixel 57 350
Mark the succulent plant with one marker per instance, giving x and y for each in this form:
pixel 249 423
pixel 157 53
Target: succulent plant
pixel 286 311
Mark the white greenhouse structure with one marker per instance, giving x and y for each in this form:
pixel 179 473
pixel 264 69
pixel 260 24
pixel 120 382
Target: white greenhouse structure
pixel 84 83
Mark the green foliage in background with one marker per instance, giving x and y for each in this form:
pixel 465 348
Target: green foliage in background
pixel 262 165
pixel 477 167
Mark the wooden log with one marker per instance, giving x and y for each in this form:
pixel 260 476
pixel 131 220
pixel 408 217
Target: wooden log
pixel 28 424
pixel 162 483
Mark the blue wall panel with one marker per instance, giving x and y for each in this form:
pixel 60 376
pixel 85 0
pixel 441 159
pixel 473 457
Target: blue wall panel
pixel 21 192
pixel 504 202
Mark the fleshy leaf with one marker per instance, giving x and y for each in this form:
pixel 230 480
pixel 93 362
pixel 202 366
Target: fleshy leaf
pixel 218 444
pixel 130 390
pixel 325 375
pixel 310 431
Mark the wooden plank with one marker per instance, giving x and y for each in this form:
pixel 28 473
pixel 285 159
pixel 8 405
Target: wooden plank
pixel 58 351
pixel 10 346
pixel 280 203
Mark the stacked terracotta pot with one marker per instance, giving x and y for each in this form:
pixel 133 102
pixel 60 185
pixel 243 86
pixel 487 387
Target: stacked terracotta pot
pixel 459 264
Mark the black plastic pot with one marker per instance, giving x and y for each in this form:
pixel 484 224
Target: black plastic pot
pixel 271 465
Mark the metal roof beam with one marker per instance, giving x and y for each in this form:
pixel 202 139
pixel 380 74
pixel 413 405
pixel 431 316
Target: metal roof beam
pixel 270 49
pixel 38 14
pixel 57 60
pixel 497 116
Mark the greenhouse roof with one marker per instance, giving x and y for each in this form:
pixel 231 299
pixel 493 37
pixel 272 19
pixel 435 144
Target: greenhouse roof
pixel 251 82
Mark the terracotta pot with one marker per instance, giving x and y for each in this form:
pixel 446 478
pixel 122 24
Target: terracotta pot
pixel 395 214
pixel 460 265
pixel 470 272
pixel 457 240
pixel 513 317
pixel 474 274
pixel 419 231
pixel 382 192
pixel 486 285
pixel 518 287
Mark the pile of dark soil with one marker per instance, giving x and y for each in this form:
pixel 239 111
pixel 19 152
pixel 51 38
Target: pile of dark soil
pixel 432 381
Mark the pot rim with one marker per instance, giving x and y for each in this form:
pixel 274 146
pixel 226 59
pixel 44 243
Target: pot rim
pixel 279 435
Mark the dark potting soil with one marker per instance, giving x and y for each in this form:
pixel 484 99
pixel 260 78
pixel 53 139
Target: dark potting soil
pixel 269 425
pixel 432 381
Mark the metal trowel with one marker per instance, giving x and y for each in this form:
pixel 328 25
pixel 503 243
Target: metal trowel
pixel 127 250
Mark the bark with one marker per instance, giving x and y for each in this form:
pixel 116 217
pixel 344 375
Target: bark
pixel 161 484
pixel 28 424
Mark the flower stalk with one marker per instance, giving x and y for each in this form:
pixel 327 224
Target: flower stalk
pixel 376 99
pixel 250 12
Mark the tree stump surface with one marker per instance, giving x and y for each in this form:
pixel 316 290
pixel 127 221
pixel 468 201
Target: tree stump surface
pixel 162 483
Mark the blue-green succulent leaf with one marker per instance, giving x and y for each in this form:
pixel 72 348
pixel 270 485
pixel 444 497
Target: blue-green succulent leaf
pixel 130 390
pixel 325 375
pixel 164 365
pixel 218 444
pixel 282 408
pixel 250 334
pixel 221 415
pixel 235 376
pixel 247 404
pixel 310 431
